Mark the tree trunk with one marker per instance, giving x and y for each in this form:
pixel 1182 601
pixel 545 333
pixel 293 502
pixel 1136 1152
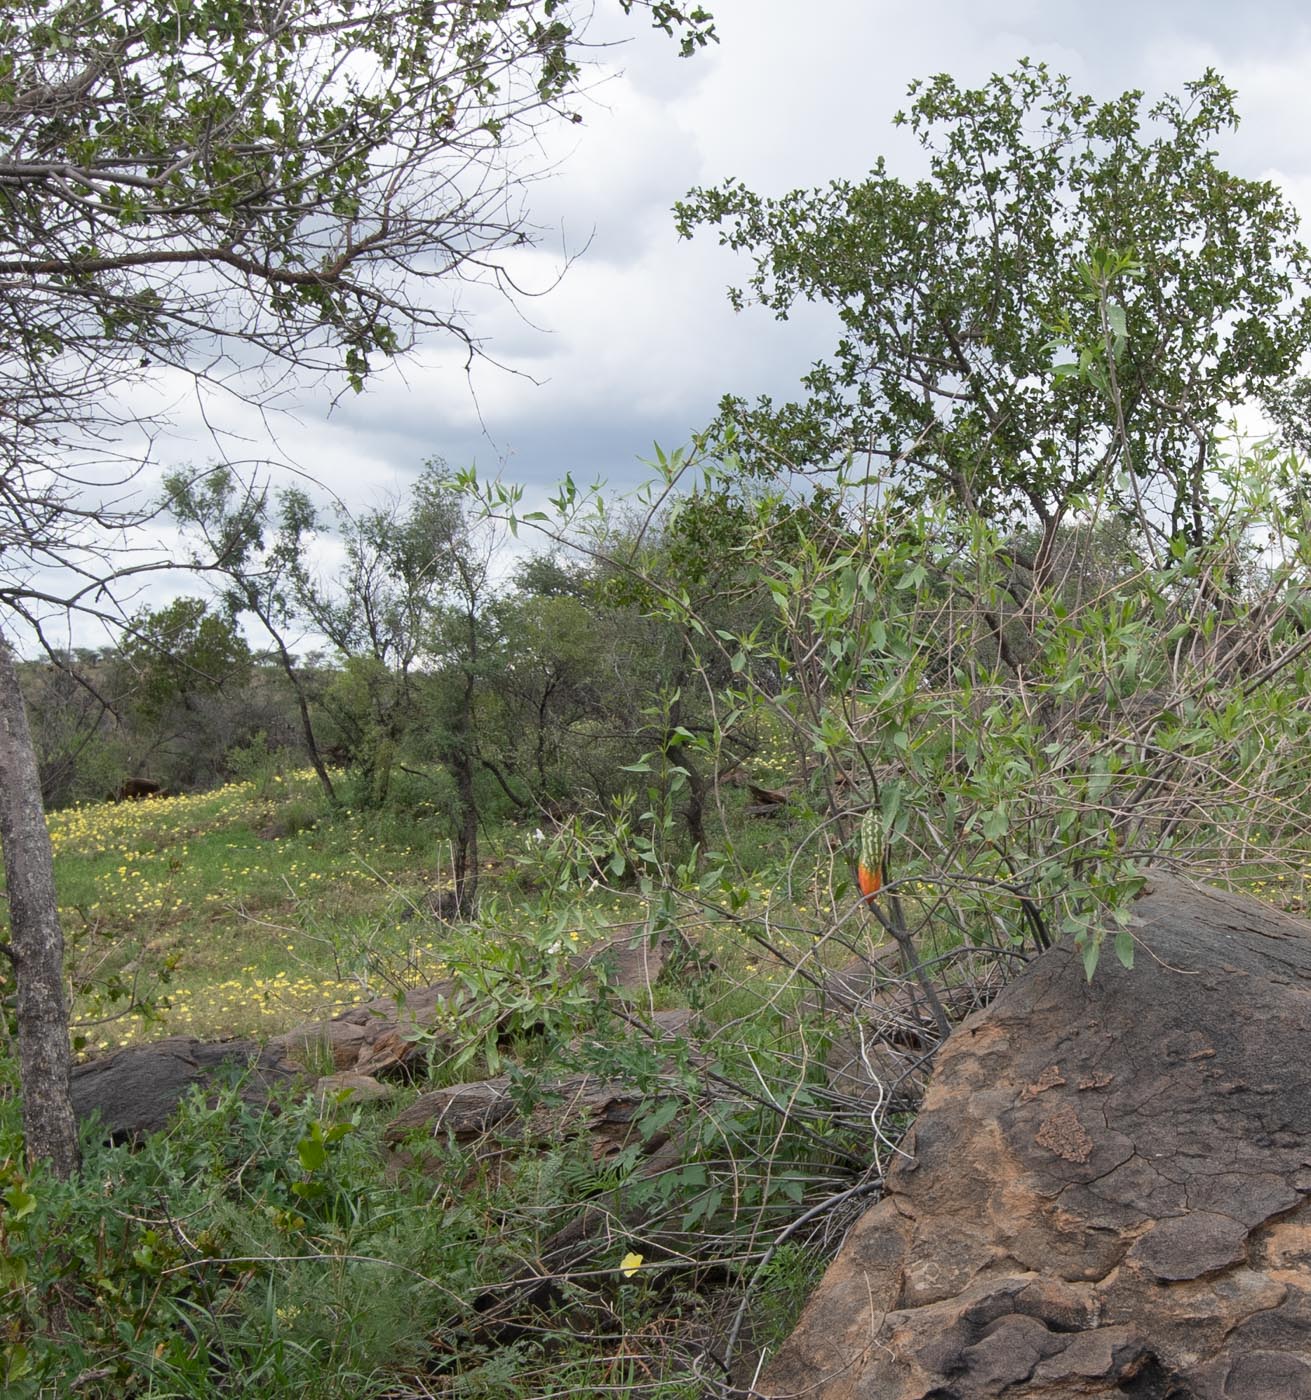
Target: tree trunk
pixel 36 941
pixel 466 843
pixel 694 813
pixel 302 705
pixel 466 851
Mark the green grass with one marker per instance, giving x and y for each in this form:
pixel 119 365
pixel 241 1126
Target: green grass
pixel 264 911
pixel 263 922
pixel 233 913
pixel 256 920
pixel 250 909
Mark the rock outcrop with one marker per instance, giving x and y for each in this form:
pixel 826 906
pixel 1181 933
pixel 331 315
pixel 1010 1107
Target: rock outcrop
pixel 388 1035
pixel 135 1091
pixel 1106 1189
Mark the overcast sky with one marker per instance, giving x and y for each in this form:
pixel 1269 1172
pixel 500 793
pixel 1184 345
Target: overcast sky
pixel 637 342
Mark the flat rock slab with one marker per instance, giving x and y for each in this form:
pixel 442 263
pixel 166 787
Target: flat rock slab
pixel 135 1091
pixel 1107 1191
pixel 385 1036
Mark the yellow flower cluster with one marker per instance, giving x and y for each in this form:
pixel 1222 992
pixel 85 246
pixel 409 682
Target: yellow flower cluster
pixel 255 1004
pixel 99 828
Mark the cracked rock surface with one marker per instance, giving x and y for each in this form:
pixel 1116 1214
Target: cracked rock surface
pixel 1107 1193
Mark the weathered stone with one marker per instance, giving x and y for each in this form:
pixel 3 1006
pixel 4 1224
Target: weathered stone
pixel 484 1117
pixel 1187 1246
pixel 374 1038
pixel 1108 1186
pixel 135 1091
pixel 352 1088
pixel 388 1035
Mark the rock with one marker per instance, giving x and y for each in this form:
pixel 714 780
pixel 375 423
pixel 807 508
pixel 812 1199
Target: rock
pixel 880 1034
pixel 376 1037
pixel 383 1036
pixel 1108 1191
pixel 136 1090
pixel 767 797
pixel 136 789
pixel 483 1116
pixel 485 1121
pixel 352 1088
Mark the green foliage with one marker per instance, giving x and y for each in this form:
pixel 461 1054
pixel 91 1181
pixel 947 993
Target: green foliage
pixel 256 763
pixel 234 1241
pixel 180 652
pixel 223 166
pixel 950 291
pixel 517 985
pixel 1042 650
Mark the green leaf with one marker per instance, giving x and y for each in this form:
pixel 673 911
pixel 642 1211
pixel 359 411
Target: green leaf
pixel 1091 954
pixel 660 1117
pixel 18 1363
pixel 21 1202
pixel 1124 946
pixel 312 1153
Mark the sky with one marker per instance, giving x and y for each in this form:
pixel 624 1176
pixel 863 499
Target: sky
pixel 636 343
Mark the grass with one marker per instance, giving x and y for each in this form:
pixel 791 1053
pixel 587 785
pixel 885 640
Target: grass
pixel 256 921
pixel 256 911
pixel 247 910
pixel 262 912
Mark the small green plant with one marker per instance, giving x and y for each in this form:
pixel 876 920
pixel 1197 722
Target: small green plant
pixel 526 986
pixel 256 763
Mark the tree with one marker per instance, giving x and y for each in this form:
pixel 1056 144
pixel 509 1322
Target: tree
pixel 36 939
pixel 254 542
pixel 172 670
pixel 222 190
pixel 1048 221
pixel 412 596
pixel 1040 343
pixel 180 652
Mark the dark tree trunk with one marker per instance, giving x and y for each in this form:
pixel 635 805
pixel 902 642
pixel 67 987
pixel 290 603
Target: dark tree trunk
pixel 466 846
pixel 696 806
pixel 466 843
pixel 36 946
pixel 302 705
pixel 461 765
pixel 694 812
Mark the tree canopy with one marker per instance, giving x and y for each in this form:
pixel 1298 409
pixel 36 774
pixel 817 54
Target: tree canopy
pixel 226 187
pixel 1049 226
pixel 230 190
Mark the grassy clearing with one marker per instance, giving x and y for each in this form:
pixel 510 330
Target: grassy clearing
pixel 247 910
pixel 269 913
pixel 256 910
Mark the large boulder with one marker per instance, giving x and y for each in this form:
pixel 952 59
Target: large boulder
pixel 1106 1189
pixel 135 1091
